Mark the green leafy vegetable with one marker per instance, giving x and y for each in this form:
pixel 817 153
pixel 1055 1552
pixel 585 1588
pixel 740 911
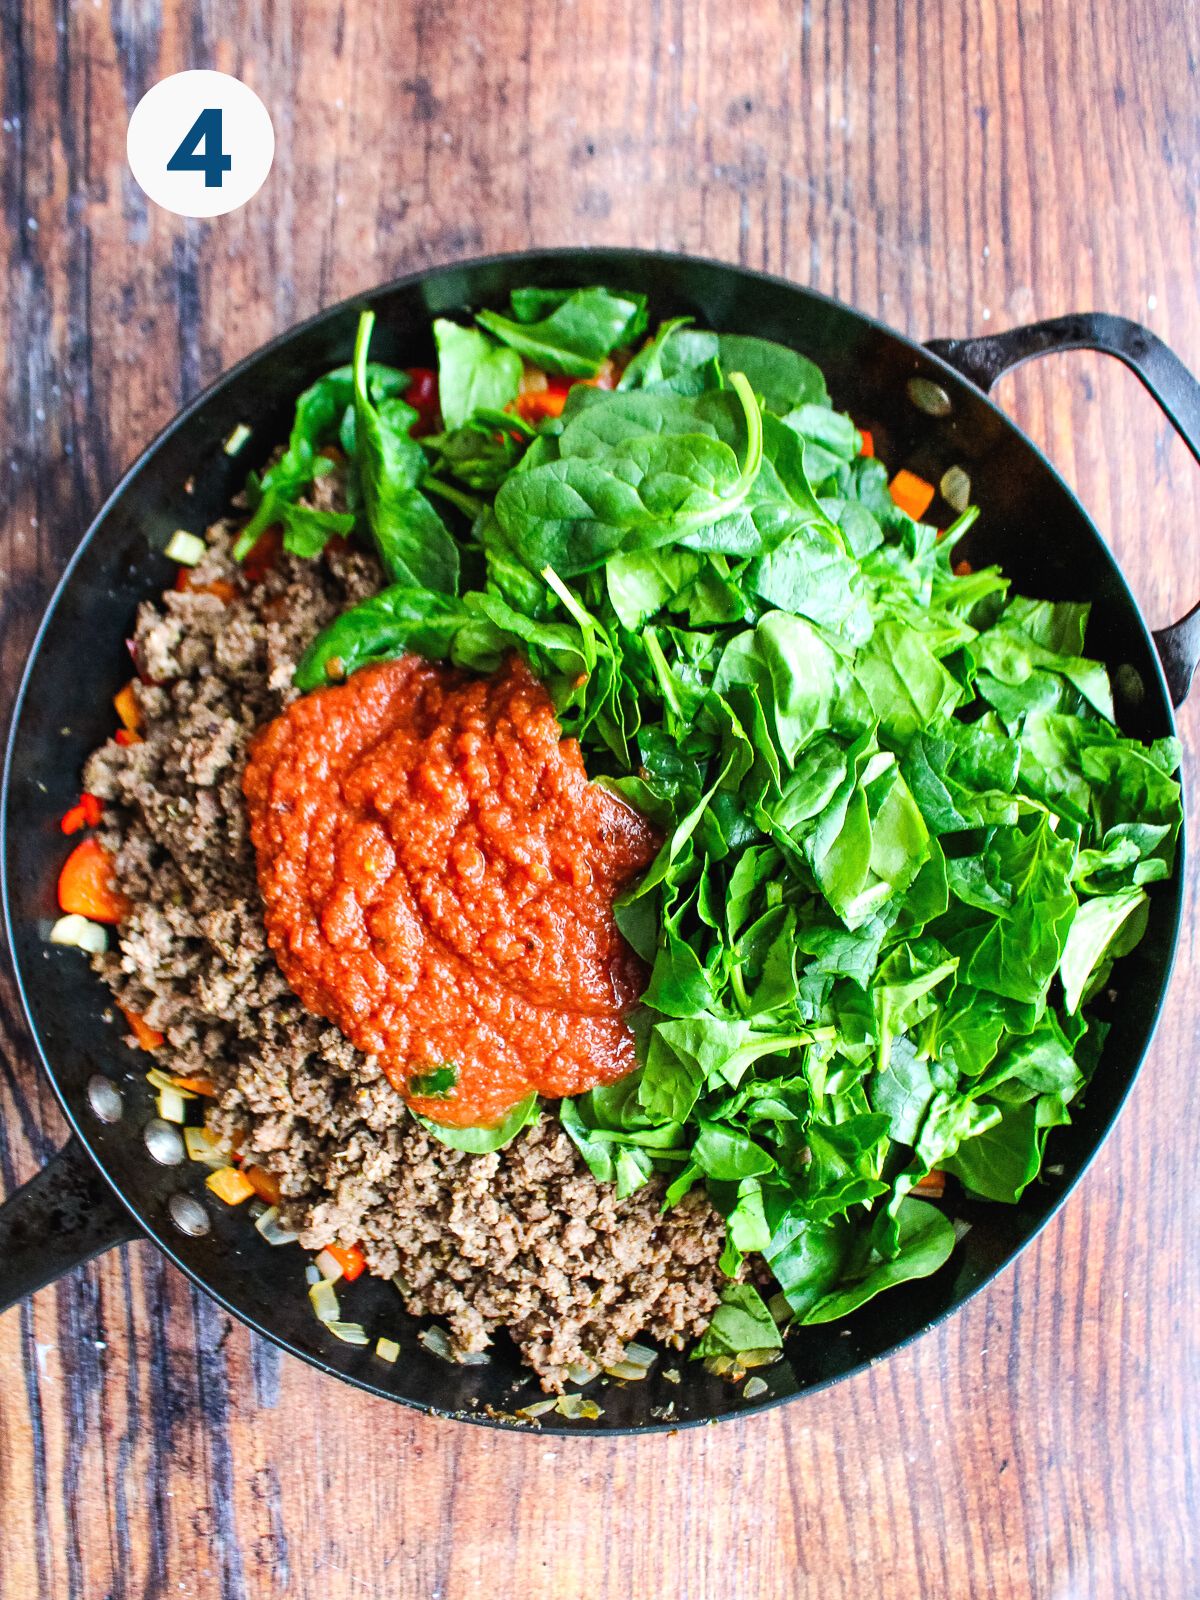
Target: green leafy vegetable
pixel 568 331
pixel 474 373
pixel 481 1141
pixel 904 843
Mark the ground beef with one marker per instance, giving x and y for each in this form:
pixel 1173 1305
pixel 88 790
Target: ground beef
pixel 524 1239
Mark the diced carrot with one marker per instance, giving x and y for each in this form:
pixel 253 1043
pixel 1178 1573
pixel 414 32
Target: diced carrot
pixel 148 1038
pixel 93 808
pixel 932 1186
pixel 350 1258
pixel 86 887
pixel 912 494
pixel 963 569
pixel 536 404
pixel 204 1086
pixel 124 738
pixel 230 1185
pixel 264 555
pixel 128 709
pixel 868 442
pixel 221 587
pixel 265 1184
pixel 73 820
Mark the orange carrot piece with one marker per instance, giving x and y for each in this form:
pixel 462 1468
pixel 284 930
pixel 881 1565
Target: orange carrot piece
pixel 230 1185
pixel 148 1038
pixel 932 1186
pixel 128 709
pixel 264 555
pixel 912 494
pixel 868 442
pixel 535 404
pixel 350 1258
pixel 204 1086
pixel 265 1184
pixel 86 887
pixel 93 808
pixel 73 820
pixel 124 737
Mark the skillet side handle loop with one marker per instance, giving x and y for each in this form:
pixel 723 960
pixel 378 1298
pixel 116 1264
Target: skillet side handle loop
pixel 62 1217
pixel 1160 370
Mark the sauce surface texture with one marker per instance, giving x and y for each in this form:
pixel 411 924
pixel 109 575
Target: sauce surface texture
pixel 438 875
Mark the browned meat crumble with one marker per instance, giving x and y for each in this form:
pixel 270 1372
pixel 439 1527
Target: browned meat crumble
pixel 525 1238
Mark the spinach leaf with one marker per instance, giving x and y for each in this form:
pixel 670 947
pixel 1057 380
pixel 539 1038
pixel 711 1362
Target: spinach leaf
pixel 926 1239
pixel 568 331
pixel 741 1322
pixel 480 1141
pixel 784 378
pixel 474 374
pixel 414 544
pixel 644 490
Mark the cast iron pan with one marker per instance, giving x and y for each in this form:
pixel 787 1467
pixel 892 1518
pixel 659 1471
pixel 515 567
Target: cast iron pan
pixel 103 1188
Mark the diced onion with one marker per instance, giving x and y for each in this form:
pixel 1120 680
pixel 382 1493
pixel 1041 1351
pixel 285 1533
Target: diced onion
pixel 158 1079
pixel 324 1302
pixel 672 1375
pixel 537 1408
pixel 640 1355
pixel 574 1406
pixel 81 933
pixel 628 1370
pixel 312 1276
pixel 328 1266
pixel 754 1387
pixel 349 1332
pixel 473 1358
pixel 387 1349
pixel 759 1358
pixel 583 1371
pixel 437 1342
pixel 171 1106
pixel 186 548
pixel 237 439
pixel 272 1230
pixel 205 1146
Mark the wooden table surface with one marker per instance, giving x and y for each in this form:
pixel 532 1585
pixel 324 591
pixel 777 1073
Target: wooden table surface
pixel 951 166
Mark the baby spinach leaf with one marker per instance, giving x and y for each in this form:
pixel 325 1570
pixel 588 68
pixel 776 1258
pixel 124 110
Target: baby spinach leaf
pixel 926 1239
pixel 413 542
pixel 784 378
pixel 741 1322
pixel 568 331
pixel 1102 929
pixel 481 1141
pixel 649 489
pixel 473 373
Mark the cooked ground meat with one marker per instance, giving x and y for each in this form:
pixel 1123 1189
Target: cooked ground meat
pixel 524 1239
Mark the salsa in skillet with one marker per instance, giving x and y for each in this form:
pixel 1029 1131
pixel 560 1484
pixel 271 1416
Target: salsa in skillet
pixel 438 876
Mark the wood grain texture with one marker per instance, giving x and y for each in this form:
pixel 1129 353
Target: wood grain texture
pixel 951 166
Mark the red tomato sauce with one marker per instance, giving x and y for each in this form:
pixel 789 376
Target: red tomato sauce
pixel 438 877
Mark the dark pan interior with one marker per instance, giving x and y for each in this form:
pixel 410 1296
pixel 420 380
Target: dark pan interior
pixel 1031 524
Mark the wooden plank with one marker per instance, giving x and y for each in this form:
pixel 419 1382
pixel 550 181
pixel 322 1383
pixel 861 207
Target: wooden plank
pixel 950 167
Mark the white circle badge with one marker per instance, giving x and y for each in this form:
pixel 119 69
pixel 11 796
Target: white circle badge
pixel 200 143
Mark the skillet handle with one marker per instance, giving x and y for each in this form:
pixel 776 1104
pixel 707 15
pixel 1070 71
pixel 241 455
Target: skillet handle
pixel 1163 374
pixel 62 1217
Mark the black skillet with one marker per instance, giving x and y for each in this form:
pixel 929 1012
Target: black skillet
pixel 103 1188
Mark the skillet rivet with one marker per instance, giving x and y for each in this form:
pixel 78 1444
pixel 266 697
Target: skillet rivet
pixel 188 1215
pixel 164 1142
pixel 929 397
pixel 105 1099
